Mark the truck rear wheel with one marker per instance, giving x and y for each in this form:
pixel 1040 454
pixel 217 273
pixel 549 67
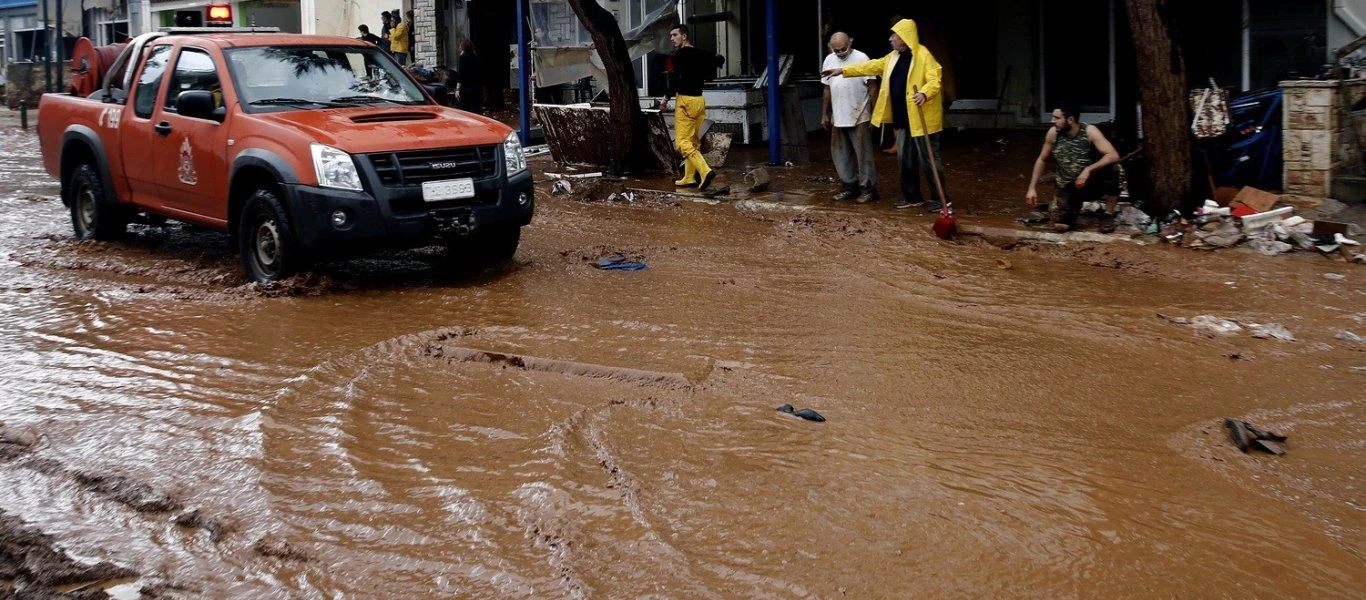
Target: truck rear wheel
pixel 266 240
pixel 93 216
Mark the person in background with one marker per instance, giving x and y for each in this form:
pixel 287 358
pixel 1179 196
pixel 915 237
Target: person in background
pixel 398 39
pixel 691 67
pixel 846 111
pixel 386 24
pixel 469 92
pixel 908 68
pixel 886 135
pixel 366 36
pixel 1083 156
pixel 412 36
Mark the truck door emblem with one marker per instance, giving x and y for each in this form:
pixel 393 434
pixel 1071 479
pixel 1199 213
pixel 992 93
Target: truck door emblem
pixel 187 174
pixel 110 117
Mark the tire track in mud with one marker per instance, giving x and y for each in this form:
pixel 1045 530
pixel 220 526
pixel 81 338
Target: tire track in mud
pixel 354 376
pixel 663 561
pixel 548 513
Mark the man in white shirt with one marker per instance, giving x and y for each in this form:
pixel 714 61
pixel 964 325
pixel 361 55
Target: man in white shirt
pixel 846 113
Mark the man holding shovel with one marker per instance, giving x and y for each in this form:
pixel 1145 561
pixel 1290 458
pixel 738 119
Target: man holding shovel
pixel 912 82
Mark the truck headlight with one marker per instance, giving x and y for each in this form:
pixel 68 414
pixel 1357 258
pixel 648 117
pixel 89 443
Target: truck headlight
pixel 335 168
pixel 512 153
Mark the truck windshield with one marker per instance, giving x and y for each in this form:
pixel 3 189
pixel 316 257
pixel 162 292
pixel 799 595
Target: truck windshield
pixel 311 77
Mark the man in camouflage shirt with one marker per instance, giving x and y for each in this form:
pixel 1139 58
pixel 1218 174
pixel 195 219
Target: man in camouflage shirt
pixel 1083 155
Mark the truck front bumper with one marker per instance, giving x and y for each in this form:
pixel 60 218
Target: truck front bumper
pixel 399 217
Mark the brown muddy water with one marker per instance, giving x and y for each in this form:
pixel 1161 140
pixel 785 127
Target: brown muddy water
pixel 1001 422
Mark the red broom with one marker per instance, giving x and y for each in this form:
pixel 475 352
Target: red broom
pixel 945 225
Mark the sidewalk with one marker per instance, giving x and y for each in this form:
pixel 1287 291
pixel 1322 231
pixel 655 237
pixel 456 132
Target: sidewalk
pixel 988 172
pixel 10 119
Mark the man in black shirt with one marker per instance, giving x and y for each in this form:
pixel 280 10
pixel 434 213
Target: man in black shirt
pixel 691 66
pixel 366 36
pixel 469 94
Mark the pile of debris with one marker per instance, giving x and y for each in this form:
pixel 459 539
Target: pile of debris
pixel 1258 218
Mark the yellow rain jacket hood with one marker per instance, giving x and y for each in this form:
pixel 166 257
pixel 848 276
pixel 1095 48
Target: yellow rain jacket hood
pixel 925 73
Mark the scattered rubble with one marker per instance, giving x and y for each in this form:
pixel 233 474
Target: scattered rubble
pixel 1223 326
pixel 1271 331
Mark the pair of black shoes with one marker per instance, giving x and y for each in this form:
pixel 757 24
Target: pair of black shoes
pixel 1245 436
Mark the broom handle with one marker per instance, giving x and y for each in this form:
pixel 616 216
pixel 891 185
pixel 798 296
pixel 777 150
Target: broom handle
pixel 929 148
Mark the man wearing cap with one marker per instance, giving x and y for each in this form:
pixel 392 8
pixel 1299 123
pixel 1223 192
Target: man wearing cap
pixel 908 67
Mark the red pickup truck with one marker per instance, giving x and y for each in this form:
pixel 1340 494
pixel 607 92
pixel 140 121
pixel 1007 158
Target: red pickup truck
pixel 295 145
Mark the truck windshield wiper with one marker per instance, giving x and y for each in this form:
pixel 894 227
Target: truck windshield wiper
pixel 363 100
pixel 292 102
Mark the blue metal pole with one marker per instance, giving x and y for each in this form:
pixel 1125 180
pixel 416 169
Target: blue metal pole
pixel 523 73
pixel 775 124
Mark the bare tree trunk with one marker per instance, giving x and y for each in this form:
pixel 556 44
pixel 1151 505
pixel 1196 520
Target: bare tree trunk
pixel 630 143
pixel 1166 111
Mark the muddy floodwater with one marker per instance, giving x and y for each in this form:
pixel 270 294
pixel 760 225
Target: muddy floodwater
pixel 1002 420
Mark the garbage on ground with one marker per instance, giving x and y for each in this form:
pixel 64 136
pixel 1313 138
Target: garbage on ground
pixel 1212 209
pixel 1132 218
pixel 1262 219
pixel 574 175
pixel 1252 216
pixel 561 186
pixel 1271 331
pixel 1334 276
pixel 1210 322
pixel 530 151
pixel 1266 243
pixel 618 262
pixel 1247 437
pixel 1348 336
pixel 1223 326
pixel 757 179
pixel 1255 199
pixel 622 197
pixel 1322 227
pixel 1217 235
pixel 804 413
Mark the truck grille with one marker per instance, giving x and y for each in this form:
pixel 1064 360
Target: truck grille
pixel 416 167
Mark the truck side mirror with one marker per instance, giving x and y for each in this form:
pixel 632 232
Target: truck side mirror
pixel 198 104
pixel 438 93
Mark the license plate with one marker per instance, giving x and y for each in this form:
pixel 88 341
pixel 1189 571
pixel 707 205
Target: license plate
pixel 450 189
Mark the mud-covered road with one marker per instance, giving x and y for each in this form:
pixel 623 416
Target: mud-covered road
pixel 1002 422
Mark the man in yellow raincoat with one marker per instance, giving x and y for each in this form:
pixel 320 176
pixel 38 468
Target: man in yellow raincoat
pixel 909 66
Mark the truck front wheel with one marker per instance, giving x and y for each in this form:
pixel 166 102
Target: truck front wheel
pixel 93 216
pixel 486 247
pixel 266 239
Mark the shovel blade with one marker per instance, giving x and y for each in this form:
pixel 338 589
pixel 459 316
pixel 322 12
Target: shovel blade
pixel 944 227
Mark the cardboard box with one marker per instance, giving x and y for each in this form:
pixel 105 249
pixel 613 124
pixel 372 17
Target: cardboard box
pixel 1255 199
